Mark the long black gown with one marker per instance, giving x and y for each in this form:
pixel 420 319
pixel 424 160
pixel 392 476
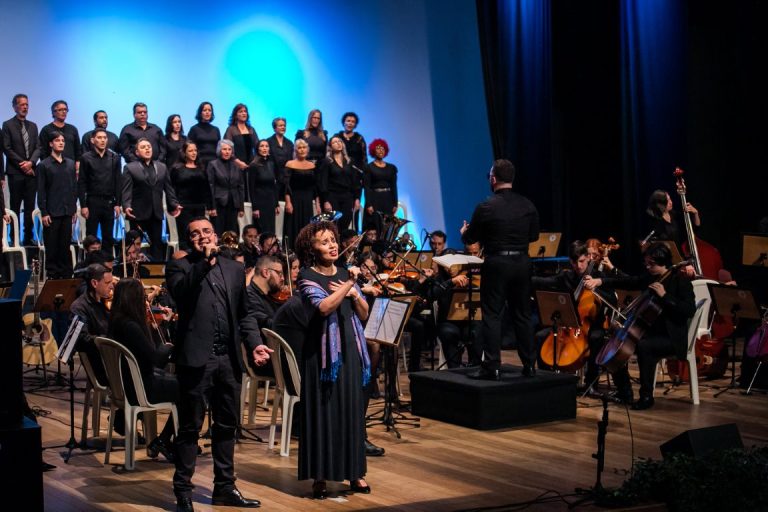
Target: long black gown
pixel 332 440
pixel 301 185
pixel 380 185
pixel 262 187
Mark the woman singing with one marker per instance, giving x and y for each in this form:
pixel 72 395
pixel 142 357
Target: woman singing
pixel 128 326
pixel 300 191
pixel 227 189
pixel 261 180
pixel 335 366
pixel 192 190
pixel 338 183
pixel 315 135
pixel 380 184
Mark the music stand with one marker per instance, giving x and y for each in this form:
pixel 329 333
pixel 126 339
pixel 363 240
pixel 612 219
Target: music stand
pixel 558 309
pixel 754 250
pixel 546 245
pixel 626 297
pixel 738 303
pixel 673 249
pixel 65 354
pixel 57 296
pixel 469 263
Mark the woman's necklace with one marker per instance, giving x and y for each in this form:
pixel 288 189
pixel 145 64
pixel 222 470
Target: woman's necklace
pixel 319 271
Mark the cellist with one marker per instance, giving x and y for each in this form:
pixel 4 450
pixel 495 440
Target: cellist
pixel 667 335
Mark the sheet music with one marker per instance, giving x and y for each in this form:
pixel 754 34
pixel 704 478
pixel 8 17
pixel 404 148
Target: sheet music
pixel 70 340
pixel 385 320
pixel 450 260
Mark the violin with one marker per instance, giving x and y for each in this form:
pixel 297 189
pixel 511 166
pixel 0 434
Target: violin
pixel 282 295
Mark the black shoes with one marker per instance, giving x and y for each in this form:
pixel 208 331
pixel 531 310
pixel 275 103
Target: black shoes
pixel 319 490
pixel 371 450
pixel 529 371
pixel 158 446
pixel 644 402
pixel 233 498
pixel 483 373
pixel 360 489
pixel 184 505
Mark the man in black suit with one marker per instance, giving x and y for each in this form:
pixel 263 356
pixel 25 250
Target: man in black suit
pixel 57 199
pixel 100 120
pixel 99 188
pixel 213 322
pixel 144 182
pixel 141 129
pixel 22 149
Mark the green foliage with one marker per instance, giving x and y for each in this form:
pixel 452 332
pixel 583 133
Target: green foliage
pixel 722 481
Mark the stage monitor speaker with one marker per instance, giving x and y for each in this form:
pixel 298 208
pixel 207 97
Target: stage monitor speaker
pixel 11 398
pixel 702 441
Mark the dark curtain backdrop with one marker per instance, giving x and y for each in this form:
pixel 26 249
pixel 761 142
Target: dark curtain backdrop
pixel 597 102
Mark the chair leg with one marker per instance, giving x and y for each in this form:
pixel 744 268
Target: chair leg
pixel 273 422
pixel 98 396
pixel 86 407
pixel 284 429
pixel 108 448
pixel 131 416
pixel 243 393
pixel 253 398
pixel 694 378
pixel 266 393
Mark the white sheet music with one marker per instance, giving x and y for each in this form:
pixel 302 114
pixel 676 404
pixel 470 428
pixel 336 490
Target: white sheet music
pixel 450 260
pixel 385 320
pixel 70 340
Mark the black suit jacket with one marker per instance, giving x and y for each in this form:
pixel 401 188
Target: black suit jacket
pixel 145 196
pixel 227 185
pixel 185 278
pixel 13 145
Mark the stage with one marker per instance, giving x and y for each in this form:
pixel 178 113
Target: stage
pixel 436 467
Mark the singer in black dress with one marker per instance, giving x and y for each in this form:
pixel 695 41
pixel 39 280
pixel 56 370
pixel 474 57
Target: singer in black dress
pixel 300 192
pixel 315 135
pixel 335 366
pixel 380 185
pixel 204 134
pixel 338 183
pixel 192 190
pixel 262 187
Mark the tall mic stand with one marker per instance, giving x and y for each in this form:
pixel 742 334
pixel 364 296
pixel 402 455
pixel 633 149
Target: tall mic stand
pixel 597 493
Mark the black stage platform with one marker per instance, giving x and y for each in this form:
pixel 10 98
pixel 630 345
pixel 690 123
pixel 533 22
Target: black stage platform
pixel 451 396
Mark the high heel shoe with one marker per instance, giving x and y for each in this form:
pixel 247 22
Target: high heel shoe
pixel 319 490
pixel 361 489
pixel 158 446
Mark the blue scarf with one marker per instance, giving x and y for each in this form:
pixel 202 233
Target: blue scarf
pixel 330 342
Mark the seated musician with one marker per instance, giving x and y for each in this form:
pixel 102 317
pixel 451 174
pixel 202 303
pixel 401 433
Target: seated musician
pixel 134 256
pixel 269 244
pixel 128 326
pixel 268 279
pixel 568 280
pixel 667 335
pixel 250 246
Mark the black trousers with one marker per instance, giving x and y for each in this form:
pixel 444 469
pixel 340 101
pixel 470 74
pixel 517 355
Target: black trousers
pixel 57 238
pixel 649 351
pixel 455 336
pixel 23 188
pixel 154 230
pixel 343 204
pixel 101 212
pixel 506 278
pixel 218 381
pixel 225 220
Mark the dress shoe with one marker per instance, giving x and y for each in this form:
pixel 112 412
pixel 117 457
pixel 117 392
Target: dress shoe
pixel 184 504
pixel 529 371
pixel 50 467
pixel 644 402
pixel 233 498
pixel 157 446
pixel 319 490
pixel 360 489
pixel 485 374
pixel 371 450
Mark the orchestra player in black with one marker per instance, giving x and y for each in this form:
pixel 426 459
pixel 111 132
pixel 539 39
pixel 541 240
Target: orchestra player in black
pixel 144 182
pixel 100 120
pixel 668 334
pixel 99 188
pixel 141 129
pixel 504 225
pixel 22 149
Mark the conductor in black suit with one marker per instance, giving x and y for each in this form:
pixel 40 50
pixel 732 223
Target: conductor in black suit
pixel 22 149
pixel 144 182
pixel 213 322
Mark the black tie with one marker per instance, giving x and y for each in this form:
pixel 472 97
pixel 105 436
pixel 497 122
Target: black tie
pixel 25 139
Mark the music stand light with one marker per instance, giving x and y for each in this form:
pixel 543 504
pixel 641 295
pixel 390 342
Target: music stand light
pixel 546 246
pixel 556 309
pixel 738 303
pixel 754 250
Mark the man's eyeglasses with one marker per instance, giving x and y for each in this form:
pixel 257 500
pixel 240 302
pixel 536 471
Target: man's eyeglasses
pixel 195 235
pixel 278 272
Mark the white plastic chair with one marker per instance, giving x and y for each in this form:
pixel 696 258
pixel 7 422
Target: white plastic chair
pixel 693 333
pixel 283 398
pixel 173 234
pixel 246 219
pixel 15 246
pixel 440 353
pixel 96 390
pixel 280 221
pixel 250 389
pixel 114 356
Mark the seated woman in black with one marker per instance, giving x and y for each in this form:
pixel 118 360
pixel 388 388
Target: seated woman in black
pixel 128 326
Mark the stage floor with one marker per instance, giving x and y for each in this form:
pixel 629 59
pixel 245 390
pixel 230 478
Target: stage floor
pixel 436 467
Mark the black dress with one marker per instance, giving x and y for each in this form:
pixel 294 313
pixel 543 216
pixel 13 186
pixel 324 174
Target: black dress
pixel 300 185
pixel 193 193
pixel 317 143
pixel 380 185
pixel 340 186
pixel 207 137
pixel 245 143
pixel 262 187
pixel 331 444
pixel 173 151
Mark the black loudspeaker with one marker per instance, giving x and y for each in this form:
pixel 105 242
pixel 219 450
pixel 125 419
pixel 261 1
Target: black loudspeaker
pixel 12 396
pixel 701 441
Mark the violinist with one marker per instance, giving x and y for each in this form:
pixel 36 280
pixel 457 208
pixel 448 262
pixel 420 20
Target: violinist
pixel 269 245
pixel 250 246
pixel 268 280
pixel 667 335
pixel 91 309
pixel 568 280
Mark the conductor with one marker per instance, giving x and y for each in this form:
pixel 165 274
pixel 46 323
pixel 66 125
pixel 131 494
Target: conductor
pixel 504 224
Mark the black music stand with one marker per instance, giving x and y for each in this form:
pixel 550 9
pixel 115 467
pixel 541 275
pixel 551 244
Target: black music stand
pixel 556 309
pixel 738 303
pixel 57 296
pixel 463 308
pixel 673 249
pixel 66 348
pixel 754 250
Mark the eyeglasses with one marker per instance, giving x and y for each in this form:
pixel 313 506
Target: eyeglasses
pixel 195 235
pixel 278 272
